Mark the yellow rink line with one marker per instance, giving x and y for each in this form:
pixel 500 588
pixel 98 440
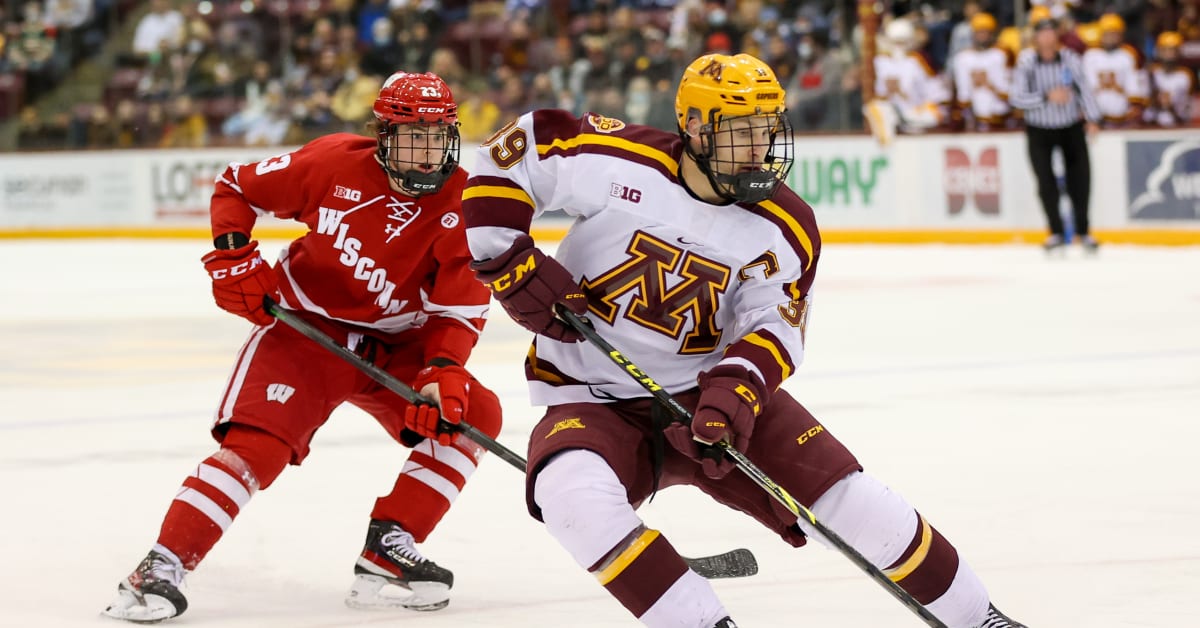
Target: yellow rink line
pixel 831 235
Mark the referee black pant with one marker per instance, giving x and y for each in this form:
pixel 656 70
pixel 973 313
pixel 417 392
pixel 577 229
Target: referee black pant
pixel 1073 142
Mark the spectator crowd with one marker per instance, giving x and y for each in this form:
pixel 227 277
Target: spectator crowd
pixel 270 72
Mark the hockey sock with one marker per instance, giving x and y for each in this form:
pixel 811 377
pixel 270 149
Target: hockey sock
pixel 216 491
pixel 887 531
pixel 585 508
pixel 428 484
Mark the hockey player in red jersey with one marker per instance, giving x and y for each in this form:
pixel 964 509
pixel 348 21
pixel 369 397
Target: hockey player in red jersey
pixel 384 269
pixel 689 253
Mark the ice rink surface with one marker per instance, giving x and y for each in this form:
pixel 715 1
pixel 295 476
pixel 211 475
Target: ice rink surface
pixel 1043 414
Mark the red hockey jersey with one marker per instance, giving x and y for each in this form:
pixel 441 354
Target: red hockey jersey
pixel 372 257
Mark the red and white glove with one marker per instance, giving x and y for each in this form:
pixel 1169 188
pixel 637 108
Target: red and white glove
pixel 529 285
pixel 731 398
pixel 241 278
pixel 450 387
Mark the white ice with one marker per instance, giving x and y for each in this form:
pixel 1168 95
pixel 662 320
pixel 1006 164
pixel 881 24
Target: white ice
pixel 1044 414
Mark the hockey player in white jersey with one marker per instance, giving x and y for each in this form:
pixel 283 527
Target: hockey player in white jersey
pixel 689 253
pixel 1171 84
pixel 909 97
pixel 1115 73
pixel 982 77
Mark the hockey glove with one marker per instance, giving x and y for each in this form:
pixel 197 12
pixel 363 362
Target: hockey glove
pixel 450 387
pixel 730 399
pixel 241 278
pixel 528 284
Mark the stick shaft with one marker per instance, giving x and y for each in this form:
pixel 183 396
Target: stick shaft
pixel 752 471
pixel 388 381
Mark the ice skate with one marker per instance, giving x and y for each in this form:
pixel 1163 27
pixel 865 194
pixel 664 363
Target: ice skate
pixel 151 593
pixel 725 623
pixel 996 619
pixel 1053 244
pixel 1089 244
pixel 391 573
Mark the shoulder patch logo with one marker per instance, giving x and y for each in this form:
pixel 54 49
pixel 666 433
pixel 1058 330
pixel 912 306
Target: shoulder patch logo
pixel 605 124
pixel 574 423
pixel 625 193
pixel 350 194
pixel 450 220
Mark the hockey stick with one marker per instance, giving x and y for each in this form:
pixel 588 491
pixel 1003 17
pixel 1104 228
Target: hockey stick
pixel 737 563
pixel 751 470
pixel 389 382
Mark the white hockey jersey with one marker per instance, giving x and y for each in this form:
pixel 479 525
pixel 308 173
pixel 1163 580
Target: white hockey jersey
pixel 1171 96
pixel 908 82
pixel 982 79
pixel 1117 80
pixel 674 283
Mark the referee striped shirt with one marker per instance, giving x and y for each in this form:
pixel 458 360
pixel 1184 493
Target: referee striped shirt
pixel 1034 77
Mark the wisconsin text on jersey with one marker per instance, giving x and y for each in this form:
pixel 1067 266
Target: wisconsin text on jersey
pixel 330 224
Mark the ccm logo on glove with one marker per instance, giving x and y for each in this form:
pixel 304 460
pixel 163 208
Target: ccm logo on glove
pixel 240 280
pixel 238 269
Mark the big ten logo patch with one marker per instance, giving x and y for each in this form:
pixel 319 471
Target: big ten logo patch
pixel 625 193
pixel 979 181
pixel 350 194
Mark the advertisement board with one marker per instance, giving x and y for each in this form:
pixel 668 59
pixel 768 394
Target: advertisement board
pixel 930 188
pixel 1164 180
pixel 847 180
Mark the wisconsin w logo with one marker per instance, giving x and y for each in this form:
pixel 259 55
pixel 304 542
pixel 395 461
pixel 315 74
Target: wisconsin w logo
pixel 280 393
pixel 656 306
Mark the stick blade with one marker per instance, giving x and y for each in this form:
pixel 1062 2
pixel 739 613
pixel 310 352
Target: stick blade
pixel 738 563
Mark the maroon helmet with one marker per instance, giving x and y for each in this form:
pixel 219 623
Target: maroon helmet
pixel 418 131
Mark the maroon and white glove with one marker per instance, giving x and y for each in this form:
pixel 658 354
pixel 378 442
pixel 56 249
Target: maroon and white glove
pixel 731 398
pixel 450 387
pixel 241 278
pixel 529 285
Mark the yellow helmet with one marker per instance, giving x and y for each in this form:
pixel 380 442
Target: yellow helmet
pixel 1111 23
pixel 1039 13
pixel 983 22
pixel 719 86
pixel 1169 39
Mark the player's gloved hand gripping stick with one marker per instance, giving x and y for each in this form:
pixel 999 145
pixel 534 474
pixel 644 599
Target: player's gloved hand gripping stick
pixel 735 563
pixel 749 468
pixel 386 380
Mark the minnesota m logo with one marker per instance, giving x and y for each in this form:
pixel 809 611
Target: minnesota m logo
pixel 280 393
pixel 669 283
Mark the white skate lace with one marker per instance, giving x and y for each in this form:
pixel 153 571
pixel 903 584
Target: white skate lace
pixel 401 541
pixel 159 567
pixel 994 621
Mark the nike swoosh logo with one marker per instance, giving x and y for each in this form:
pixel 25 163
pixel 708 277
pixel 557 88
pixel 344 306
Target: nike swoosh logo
pixel 685 242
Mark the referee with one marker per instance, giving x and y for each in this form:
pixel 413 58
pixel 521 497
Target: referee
pixel 1049 85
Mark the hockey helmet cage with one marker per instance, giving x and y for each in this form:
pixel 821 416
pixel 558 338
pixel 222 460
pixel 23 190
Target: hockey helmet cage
pixel 409 100
pixel 718 88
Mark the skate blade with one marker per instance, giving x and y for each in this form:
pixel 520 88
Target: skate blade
pixel 150 610
pixel 376 593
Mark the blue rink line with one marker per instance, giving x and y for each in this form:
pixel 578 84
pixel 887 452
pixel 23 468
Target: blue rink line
pixel 801 376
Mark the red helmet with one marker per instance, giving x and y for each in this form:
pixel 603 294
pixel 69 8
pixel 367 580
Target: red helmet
pixel 415 99
pixel 420 162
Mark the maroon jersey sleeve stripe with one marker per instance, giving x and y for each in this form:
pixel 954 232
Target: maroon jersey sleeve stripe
pixel 796 222
pixel 764 350
pixel 497 202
